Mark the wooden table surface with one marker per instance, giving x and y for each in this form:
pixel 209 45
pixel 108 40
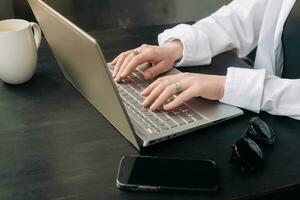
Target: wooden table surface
pixel 55 145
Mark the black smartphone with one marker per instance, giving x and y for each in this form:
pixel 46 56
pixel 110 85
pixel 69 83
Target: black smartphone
pixel 158 174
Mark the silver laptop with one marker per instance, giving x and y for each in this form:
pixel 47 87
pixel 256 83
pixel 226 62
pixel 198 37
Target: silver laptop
pixel 83 64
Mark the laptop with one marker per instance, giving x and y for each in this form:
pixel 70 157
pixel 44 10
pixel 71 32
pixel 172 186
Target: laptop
pixel 83 65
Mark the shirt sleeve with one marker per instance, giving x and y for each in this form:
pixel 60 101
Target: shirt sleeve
pixel 255 90
pixel 235 26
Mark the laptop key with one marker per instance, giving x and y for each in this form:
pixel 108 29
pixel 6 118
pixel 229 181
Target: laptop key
pixel 140 99
pixel 188 118
pixel 144 110
pixel 138 73
pixel 136 86
pixel 144 85
pixel 162 116
pixel 153 118
pixel 171 124
pixel 149 114
pixel 132 100
pixel 176 111
pixel 177 119
pixel 143 119
pixel 164 127
pixel 150 130
pixel 196 116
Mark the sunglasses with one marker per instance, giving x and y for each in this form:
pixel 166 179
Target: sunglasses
pixel 246 150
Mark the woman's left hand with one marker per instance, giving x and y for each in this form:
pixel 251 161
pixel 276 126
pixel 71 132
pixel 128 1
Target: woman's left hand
pixel 182 86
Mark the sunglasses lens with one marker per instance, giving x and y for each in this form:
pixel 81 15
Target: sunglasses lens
pixel 259 130
pixel 248 153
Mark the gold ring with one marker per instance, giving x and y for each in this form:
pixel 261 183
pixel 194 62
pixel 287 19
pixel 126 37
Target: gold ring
pixel 178 88
pixel 136 52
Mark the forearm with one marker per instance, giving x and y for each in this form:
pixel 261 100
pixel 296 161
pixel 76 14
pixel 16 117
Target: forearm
pixel 281 96
pixel 176 47
pixel 235 26
pixel 256 91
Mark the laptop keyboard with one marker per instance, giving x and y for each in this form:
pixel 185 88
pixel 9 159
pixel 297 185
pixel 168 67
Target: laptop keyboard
pixel 152 122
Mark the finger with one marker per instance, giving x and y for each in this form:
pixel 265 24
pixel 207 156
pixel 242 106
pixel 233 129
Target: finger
pixel 119 62
pixel 118 65
pixel 115 60
pixel 155 93
pixel 143 57
pixel 164 97
pixel 169 92
pixel 180 99
pixel 123 53
pixel 155 70
pixel 123 66
pixel 171 78
pixel 153 85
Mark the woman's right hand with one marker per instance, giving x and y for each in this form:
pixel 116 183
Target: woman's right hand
pixel 161 57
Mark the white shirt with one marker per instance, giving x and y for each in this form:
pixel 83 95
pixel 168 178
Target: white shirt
pixel 242 25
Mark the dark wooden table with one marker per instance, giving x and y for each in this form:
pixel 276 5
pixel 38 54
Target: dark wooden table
pixel 55 145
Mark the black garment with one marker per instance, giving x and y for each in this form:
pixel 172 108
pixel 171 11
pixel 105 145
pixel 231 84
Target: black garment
pixel 291 44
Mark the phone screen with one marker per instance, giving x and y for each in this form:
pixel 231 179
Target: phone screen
pixel 168 173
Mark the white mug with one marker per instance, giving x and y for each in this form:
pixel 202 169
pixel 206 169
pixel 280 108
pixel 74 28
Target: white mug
pixel 19 42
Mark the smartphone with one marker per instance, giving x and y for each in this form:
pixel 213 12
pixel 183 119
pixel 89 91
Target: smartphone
pixel 158 174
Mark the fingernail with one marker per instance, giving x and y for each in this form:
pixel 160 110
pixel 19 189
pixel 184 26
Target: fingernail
pixel 153 108
pixel 145 103
pixel 166 107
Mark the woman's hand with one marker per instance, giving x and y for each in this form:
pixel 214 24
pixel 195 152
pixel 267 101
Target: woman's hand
pixel 162 59
pixel 183 87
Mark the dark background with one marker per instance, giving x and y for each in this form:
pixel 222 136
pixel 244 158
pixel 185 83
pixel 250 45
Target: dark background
pixel 108 14
pixel 104 14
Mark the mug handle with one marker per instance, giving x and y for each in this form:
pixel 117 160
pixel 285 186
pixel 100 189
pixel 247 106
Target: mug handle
pixel 37 33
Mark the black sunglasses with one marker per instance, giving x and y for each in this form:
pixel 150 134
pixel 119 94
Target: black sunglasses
pixel 246 151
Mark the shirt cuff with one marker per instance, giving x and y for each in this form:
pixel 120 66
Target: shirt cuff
pixel 244 88
pixel 196 49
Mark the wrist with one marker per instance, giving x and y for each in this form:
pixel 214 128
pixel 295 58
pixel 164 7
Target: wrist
pixel 176 49
pixel 222 81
